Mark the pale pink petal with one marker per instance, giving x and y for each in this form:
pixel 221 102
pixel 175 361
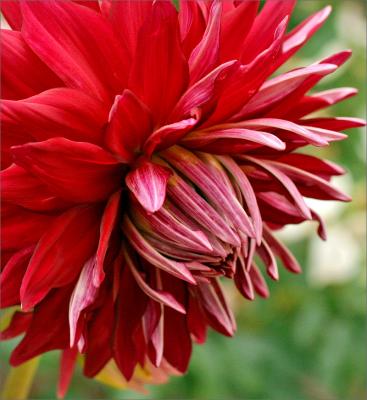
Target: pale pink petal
pixel 150 254
pixel 148 182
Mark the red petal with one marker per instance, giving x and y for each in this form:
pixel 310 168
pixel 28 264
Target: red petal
pixel 23 189
pixel 75 171
pixel 300 35
pixel 296 87
pixel 129 125
pixel 168 135
pixel 72 41
pixel 60 112
pixel 108 224
pixel 287 184
pixel 148 182
pixel 159 73
pixel 196 319
pixel 267 256
pixel 127 17
pixel 160 296
pixel 237 24
pixel 177 341
pixel 259 282
pixel 247 79
pixel 202 93
pixel 128 319
pixel 243 282
pixel 12 13
pixel 166 226
pixel 192 25
pixel 57 248
pixel 205 56
pixel 18 325
pixel 23 73
pixel 305 134
pixel 323 168
pixel 67 364
pixel 92 4
pixel 153 332
pixel 41 336
pixel 311 185
pixel 21 228
pixel 317 101
pixel 99 335
pixel 263 30
pixel 334 123
pixel 282 87
pixel 12 275
pixel 215 308
pixel 282 252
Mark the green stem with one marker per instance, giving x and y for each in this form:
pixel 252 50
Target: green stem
pixel 18 383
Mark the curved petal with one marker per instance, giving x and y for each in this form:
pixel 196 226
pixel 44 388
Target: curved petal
pixel 108 224
pixel 18 325
pixel 72 40
pixel 21 228
pixel 127 17
pixel 236 24
pixel 128 318
pixel 148 182
pixel 247 79
pixel 202 93
pixel 205 56
pixel 220 141
pixel 41 336
pixel 21 188
pixel 168 135
pixel 60 112
pixel 286 182
pixel 67 244
pixel 215 308
pixel 83 295
pixel 75 171
pixel 192 25
pixel 10 9
pixel 159 73
pixel 300 35
pixel 67 364
pixel 281 88
pixel 160 296
pixel 147 252
pixel 12 275
pixel 23 73
pixel 263 30
pixel 130 123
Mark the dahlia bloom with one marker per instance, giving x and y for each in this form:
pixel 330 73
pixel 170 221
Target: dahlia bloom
pixel 146 153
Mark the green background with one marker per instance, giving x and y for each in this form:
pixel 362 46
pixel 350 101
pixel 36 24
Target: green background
pixel 308 340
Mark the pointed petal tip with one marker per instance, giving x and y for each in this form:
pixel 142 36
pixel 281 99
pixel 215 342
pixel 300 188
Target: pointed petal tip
pixel 325 12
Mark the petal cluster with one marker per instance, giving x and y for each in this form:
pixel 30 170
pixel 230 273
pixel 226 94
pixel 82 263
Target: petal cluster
pixel 146 153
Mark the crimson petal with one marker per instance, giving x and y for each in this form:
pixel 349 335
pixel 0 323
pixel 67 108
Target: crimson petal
pixel 75 171
pixel 79 226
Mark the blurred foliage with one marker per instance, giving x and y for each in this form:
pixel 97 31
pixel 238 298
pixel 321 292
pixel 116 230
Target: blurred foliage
pixel 308 340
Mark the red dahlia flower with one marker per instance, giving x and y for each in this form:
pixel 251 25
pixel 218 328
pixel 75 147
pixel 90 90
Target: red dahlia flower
pixel 146 153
